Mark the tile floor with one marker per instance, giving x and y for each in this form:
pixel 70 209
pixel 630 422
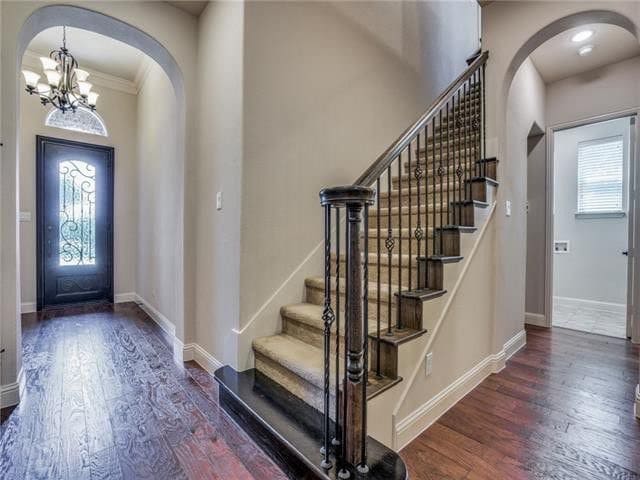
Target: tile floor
pixel 592 319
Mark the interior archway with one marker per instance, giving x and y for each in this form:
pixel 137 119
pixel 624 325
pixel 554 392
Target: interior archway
pixel 56 15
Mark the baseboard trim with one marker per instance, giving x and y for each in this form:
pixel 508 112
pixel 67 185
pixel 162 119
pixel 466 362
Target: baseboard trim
pixel 11 393
pixel 125 297
pixel 162 321
pixel 193 351
pixel 636 408
pixel 537 319
pixel 424 416
pixel 604 306
pixel 28 307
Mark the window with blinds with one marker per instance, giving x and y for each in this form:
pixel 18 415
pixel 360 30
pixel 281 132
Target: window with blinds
pixel 601 176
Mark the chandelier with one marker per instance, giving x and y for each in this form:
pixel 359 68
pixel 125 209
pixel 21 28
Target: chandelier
pixel 66 87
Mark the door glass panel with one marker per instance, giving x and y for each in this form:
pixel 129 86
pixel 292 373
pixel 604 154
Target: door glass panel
pixel 77 213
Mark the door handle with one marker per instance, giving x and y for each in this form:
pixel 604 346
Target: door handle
pixel 49 228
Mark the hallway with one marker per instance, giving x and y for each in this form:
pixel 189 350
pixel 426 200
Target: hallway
pixel 562 408
pixel 104 399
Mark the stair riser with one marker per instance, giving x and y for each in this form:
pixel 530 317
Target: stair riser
pixel 439 198
pixel 384 270
pixel 466 172
pixel 316 296
pixel 298 386
pixel 395 220
pixel 488 169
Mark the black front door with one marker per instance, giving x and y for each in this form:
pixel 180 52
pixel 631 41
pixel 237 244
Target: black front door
pixel 75 222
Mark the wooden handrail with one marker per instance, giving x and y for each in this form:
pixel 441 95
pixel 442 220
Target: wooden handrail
pixel 390 154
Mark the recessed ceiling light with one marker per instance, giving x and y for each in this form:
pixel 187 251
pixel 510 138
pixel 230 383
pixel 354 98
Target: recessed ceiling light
pixel 582 35
pixel 585 50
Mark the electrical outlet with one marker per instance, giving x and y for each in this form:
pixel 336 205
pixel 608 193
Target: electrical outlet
pixel 428 364
pixel 219 201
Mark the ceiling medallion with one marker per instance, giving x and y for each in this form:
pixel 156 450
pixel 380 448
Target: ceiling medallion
pixel 67 87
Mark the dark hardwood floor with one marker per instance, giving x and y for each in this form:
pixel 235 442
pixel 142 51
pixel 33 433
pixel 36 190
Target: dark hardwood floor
pixel 105 400
pixel 562 409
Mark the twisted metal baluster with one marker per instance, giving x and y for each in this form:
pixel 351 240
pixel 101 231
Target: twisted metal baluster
pixel 484 121
pixel 327 318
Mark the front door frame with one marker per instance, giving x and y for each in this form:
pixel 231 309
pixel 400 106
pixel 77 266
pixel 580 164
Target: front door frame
pixel 633 297
pixel 41 140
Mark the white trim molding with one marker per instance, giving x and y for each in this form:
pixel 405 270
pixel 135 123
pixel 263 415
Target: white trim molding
pixel 193 351
pixel 28 307
pixel 162 321
pixel 424 416
pixel 636 408
pixel 125 297
pixel 537 319
pixel 11 393
pixel 592 304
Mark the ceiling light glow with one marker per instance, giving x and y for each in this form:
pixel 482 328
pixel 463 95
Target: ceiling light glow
pixel 582 35
pixel 585 50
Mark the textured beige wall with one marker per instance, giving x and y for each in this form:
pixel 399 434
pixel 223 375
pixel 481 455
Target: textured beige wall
pixel 605 90
pixel 158 194
pixel 220 76
pixel 118 110
pixel 321 102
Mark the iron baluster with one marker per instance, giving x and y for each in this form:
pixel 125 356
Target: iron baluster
pixel 327 318
pixel 378 237
pixel 399 303
pixel 389 244
pixel 336 436
pixel 362 466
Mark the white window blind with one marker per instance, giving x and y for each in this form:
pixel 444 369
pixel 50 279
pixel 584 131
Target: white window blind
pixel 600 175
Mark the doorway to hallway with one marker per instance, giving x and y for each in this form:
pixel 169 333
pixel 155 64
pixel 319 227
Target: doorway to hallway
pixel 592 221
pixel 74 222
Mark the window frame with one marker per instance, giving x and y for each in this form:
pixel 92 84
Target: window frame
pixel 78 130
pixel 617 213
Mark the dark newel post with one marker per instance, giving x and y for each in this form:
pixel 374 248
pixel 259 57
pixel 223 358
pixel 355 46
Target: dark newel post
pixel 354 199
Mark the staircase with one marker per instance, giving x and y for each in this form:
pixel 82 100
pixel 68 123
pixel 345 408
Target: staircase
pixel 388 239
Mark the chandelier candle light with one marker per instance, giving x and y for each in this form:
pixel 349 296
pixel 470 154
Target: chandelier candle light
pixel 67 87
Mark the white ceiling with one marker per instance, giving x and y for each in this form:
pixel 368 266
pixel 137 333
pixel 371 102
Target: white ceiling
pixel 194 8
pixel 558 57
pixel 93 51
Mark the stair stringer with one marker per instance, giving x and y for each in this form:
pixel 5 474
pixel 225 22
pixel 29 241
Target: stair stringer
pixel 388 411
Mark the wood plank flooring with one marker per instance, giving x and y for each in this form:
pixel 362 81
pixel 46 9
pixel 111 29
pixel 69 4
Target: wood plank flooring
pixel 105 400
pixel 561 409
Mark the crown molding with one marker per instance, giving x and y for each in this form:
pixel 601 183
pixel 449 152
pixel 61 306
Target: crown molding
pixel 32 59
pixel 143 71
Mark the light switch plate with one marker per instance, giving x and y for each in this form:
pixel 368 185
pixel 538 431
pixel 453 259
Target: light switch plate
pixel 25 216
pixel 428 364
pixel 219 201
pixel 507 208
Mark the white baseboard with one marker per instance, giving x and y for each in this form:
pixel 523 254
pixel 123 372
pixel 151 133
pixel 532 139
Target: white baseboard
pixel 593 304
pixel 28 307
pixel 125 297
pixel 11 393
pixel 636 409
pixel 162 321
pixel 537 319
pixel 193 351
pixel 424 416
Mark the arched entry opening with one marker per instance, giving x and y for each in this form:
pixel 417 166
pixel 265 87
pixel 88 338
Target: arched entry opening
pixel 81 18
